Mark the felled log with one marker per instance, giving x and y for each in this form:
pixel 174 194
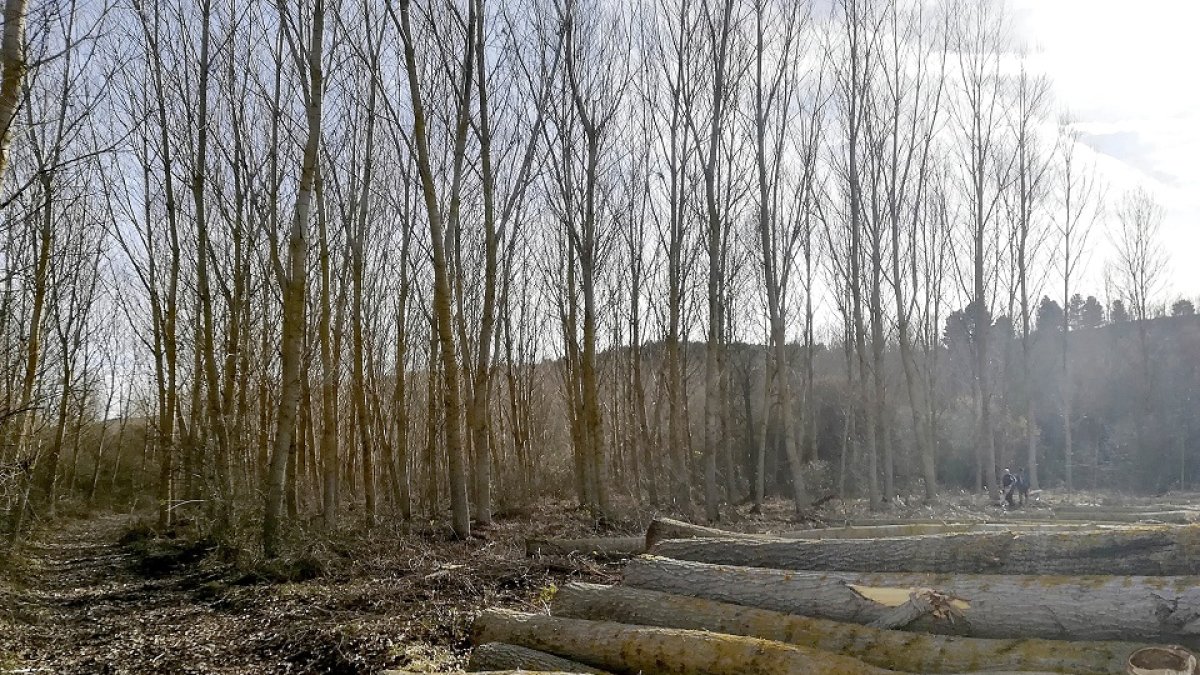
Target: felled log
pixel 623 648
pixel 1092 608
pixel 661 529
pixel 899 650
pixel 501 656
pixel 1155 507
pixel 1148 550
pixel 923 529
pixel 1170 660
pixel 519 671
pixel 598 547
pixel 1177 517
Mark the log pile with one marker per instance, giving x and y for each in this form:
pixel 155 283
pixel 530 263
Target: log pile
pixel 1029 597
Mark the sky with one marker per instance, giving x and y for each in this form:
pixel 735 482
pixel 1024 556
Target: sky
pixel 1127 73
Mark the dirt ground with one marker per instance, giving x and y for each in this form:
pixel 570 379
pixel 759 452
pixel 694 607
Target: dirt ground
pixel 80 601
pixel 87 597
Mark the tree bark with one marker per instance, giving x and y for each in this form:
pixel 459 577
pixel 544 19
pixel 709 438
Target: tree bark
pixel 1102 515
pixel 517 671
pixel 443 321
pixel 1157 550
pixel 493 656
pixel 1152 609
pixel 654 651
pixel 12 72
pixel 902 650
pixel 662 529
pixel 633 649
pixel 921 529
pixel 293 288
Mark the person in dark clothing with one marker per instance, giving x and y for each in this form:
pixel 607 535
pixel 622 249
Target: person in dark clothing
pixel 1022 486
pixel 1009 483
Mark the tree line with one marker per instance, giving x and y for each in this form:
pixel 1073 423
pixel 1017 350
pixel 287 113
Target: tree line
pixel 368 259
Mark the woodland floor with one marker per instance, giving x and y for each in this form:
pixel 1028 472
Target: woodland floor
pixel 81 601
pixel 86 597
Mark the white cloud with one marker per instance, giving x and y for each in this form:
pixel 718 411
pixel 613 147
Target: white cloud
pixel 1126 73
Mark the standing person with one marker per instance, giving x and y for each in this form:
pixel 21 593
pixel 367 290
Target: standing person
pixel 1009 483
pixel 1022 486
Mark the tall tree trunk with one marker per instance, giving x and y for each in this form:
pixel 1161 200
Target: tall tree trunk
pixel 293 283
pixel 443 319
pixel 12 72
pixel 357 240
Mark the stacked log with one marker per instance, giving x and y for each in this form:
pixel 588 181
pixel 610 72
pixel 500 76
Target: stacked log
pixel 942 598
pixel 1138 550
pixel 496 656
pixel 901 650
pixel 1152 609
pixel 625 648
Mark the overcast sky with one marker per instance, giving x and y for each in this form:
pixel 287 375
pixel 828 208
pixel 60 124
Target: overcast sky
pixel 1127 71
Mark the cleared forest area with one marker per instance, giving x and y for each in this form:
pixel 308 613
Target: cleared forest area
pixel 327 324
pixel 97 595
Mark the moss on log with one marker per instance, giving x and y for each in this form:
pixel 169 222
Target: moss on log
pixel 622 648
pixel 628 650
pixel 500 656
pixel 486 672
pixel 899 650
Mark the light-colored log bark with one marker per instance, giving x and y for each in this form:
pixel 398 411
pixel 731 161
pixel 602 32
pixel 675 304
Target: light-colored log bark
pixel 518 671
pixel 1178 517
pixel 1146 609
pixel 1145 550
pixel 598 547
pixel 902 650
pixel 921 529
pixel 623 648
pixel 662 529
pixel 1149 507
pixel 494 656
pixel 1009 519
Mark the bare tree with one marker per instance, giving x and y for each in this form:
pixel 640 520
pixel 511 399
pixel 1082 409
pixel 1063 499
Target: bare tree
pixel 293 280
pixel 442 294
pixel 1140 262
pixel 979 37
pixel 1078 194
pixel 1030 168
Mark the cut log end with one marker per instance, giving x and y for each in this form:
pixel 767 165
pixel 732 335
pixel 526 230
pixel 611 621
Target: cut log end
pixel 1170 660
